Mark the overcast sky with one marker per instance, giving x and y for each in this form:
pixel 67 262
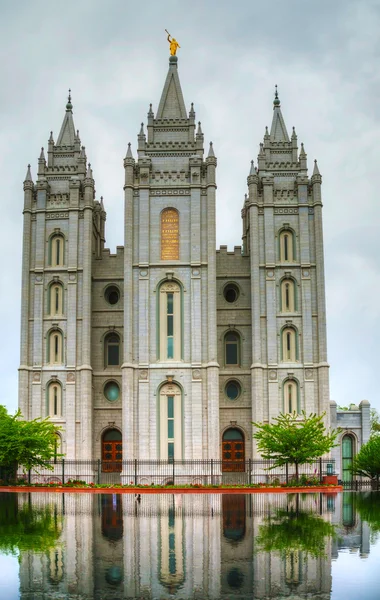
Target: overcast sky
pixel 323 55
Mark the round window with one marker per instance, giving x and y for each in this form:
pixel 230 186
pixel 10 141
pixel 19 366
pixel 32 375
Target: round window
pixel 231 292
pixel 233 390
pixel 112 294
pixel 112 391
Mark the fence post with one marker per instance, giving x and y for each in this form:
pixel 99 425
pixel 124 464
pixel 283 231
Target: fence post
pixel 173 471
pixel 98 471
pixel 212 472
pixel 249 471
pixel 286 473
pixel 29 476
pixel 320 471
pixel 135 471
pixel 63 470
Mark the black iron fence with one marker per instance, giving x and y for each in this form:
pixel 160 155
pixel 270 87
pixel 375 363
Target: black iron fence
pixel 177 472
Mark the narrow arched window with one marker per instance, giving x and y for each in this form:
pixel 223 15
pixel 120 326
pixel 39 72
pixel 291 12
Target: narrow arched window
pixel 170 422
pixel 55 347
pixel 232 349
pixel 170 234
pixel 55 400
pixel 112 350
pixel 57 251
pixel 288 296
pixel 170 321
pixel 291 404
pixel 289 345
pixel 56 299
pixel 287 246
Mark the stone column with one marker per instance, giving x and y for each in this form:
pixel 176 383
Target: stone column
pixel 86 369
pixel 128 418
pixel 23 389
pixel 213 366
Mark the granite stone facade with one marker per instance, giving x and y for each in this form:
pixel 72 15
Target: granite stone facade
pixel 249 325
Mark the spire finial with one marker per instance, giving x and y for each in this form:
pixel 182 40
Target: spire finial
pixel 51 140
pixel 129 151
pixel 211 151
pixel 28 176
pixel 316 170
pixel 276 101
pixel 252 171
pixel 42 155
pixel 69 106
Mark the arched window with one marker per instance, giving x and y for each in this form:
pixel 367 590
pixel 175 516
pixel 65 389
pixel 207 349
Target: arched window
pixel 57 248
pixel 54 399
pixel 170 321
pixel 289 345
pixel 347 457
pixel 170 234
pixel 56 299
pixel 55 347
pixel 287 253
pixel 112 350
pixel 288 295
pixel 232 349
pixel 170 422
pixel 291 401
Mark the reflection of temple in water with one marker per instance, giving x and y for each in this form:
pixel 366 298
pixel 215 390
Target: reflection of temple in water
pixel 180 546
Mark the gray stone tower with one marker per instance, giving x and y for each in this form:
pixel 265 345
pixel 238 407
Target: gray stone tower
pixel 169 260
pixel 282 234
pixel 55 372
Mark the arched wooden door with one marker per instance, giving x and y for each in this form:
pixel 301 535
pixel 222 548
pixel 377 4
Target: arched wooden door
pixel 233 451
pixel 112 451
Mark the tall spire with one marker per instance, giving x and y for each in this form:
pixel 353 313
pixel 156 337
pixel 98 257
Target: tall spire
pixel 67 135
pixel 172 105
pixel 211 151
pixel 278 131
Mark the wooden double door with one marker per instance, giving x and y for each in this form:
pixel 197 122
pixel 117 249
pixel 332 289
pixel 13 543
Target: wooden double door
pixel 233 451
pixel 112 451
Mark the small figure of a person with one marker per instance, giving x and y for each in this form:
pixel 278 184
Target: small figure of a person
pixel 173 44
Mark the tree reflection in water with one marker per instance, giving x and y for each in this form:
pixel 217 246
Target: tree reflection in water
pixel 295 530
pixel 27 527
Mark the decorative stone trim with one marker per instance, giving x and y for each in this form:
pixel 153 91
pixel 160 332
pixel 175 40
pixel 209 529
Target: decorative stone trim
pixel 168 192
pixel 197 375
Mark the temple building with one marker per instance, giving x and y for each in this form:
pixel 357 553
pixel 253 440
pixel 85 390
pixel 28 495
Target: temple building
pixel 170 348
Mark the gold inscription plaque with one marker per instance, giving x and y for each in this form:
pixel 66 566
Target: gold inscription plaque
pixel 169 234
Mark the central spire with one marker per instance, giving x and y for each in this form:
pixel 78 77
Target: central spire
pixel 172 105
pixel 278 131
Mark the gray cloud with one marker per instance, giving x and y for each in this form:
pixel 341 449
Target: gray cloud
pixel 324 56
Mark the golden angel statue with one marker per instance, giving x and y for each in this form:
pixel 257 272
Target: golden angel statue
pixel 173 44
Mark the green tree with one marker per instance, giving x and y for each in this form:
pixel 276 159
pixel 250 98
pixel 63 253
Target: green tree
pixel 294 440
pixel 375 422
pixel 27 443
pixel 367 460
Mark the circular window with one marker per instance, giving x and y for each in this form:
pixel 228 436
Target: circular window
pixel 112 391
pixel 231 292
pixel 112 294
pixel 233 390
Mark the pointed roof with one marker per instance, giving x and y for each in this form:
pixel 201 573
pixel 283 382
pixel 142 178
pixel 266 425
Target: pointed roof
pixel 28 176
pixel 211 151
pixel 316 170
pixel 278 131
pixel 67 135
pixel 172 105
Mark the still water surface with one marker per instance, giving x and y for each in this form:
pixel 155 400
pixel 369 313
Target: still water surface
pixel 109 546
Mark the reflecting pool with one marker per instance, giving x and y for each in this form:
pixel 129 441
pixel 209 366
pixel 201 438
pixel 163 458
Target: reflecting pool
pixel 114 546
